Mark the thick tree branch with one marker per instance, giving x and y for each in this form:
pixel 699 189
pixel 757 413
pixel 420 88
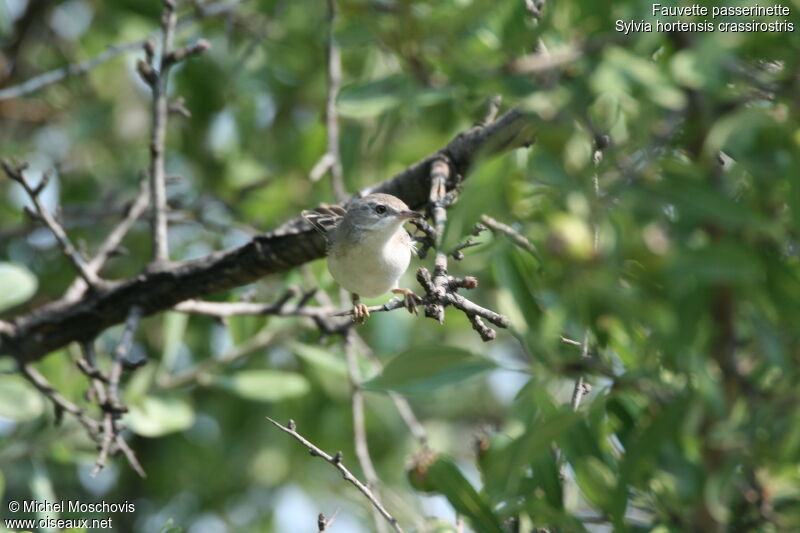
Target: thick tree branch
pixel 30 336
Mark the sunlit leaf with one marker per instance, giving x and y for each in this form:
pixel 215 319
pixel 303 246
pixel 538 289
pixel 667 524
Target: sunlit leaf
pixel 17 284
pixel 319 357
pixel 19 400
pixel 264 385
pixel 154 416
pixel 427 368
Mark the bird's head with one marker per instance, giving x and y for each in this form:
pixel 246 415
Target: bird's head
pixel 376 212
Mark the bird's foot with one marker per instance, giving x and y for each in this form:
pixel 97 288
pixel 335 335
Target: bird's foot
pixel 410 300
pixel 360 312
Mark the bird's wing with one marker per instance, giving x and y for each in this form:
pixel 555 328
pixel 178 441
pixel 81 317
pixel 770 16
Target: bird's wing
pixel 324 218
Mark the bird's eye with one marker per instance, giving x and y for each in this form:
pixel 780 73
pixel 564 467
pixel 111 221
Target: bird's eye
pixel 380 209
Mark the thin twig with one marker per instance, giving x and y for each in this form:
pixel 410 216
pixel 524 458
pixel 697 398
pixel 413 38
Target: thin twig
pixel 440 171
pixel 492 108
pixel 331 116
pixel 331 159
pixel 76 69
pixel 228 309
pixel 401 404
pixel 41 383
pixel 110 403
pixel 516 237
pixel 359 422
pixel 158 85
pixel 324 523
pixel 16 173
pixel 581 387
pixel 121 353
pixel 336 461
pixel 113 240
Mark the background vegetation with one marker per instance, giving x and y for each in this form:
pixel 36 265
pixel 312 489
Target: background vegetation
pixel 661 197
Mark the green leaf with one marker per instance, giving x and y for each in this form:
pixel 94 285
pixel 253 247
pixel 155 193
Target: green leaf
pixel 154 416
pixel 723 262
pixel 319 357
pixel 507 470
pixel 446 479
pixel 19 400
pixel 373 98
pixel 596 480
pixel 173 333
pixel 17 284
pixel 264 385
pixel 428 368
pixel 169 528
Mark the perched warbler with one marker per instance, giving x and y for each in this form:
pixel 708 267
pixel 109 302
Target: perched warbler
pixel 368 248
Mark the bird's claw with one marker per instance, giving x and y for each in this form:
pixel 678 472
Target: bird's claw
pixel 360 312
pixel 410 300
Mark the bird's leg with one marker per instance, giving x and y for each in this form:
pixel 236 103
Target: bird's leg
pixel 360 311
pixel 409 299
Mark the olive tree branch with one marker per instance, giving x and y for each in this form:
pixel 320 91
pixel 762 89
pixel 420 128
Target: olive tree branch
pixel 31 335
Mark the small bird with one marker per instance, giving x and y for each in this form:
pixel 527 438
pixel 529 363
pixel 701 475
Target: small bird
pixel 368 248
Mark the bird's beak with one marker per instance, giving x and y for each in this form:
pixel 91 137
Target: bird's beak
pixel 408 215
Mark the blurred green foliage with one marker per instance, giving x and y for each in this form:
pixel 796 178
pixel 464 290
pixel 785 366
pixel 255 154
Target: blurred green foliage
pixel 690 296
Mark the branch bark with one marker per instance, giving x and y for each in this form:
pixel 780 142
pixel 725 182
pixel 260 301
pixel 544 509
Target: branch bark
pixel 30 336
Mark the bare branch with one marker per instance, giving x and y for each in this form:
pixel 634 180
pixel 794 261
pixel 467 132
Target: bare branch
pixel 516 237
pixel 41 383
pixel 32 335
pixel 228 309
pixel 581 387
pixel 331 159
pixel 108 397
pixel 492 108
pixel 76 69
pixel 401 404
pixel 114 239
pixel 359 422
pixel 121 353
pixel 16 173
pixel 336 461
pixel 158 85
pixel 331 117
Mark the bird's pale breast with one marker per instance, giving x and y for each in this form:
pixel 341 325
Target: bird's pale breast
pixel 372 266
